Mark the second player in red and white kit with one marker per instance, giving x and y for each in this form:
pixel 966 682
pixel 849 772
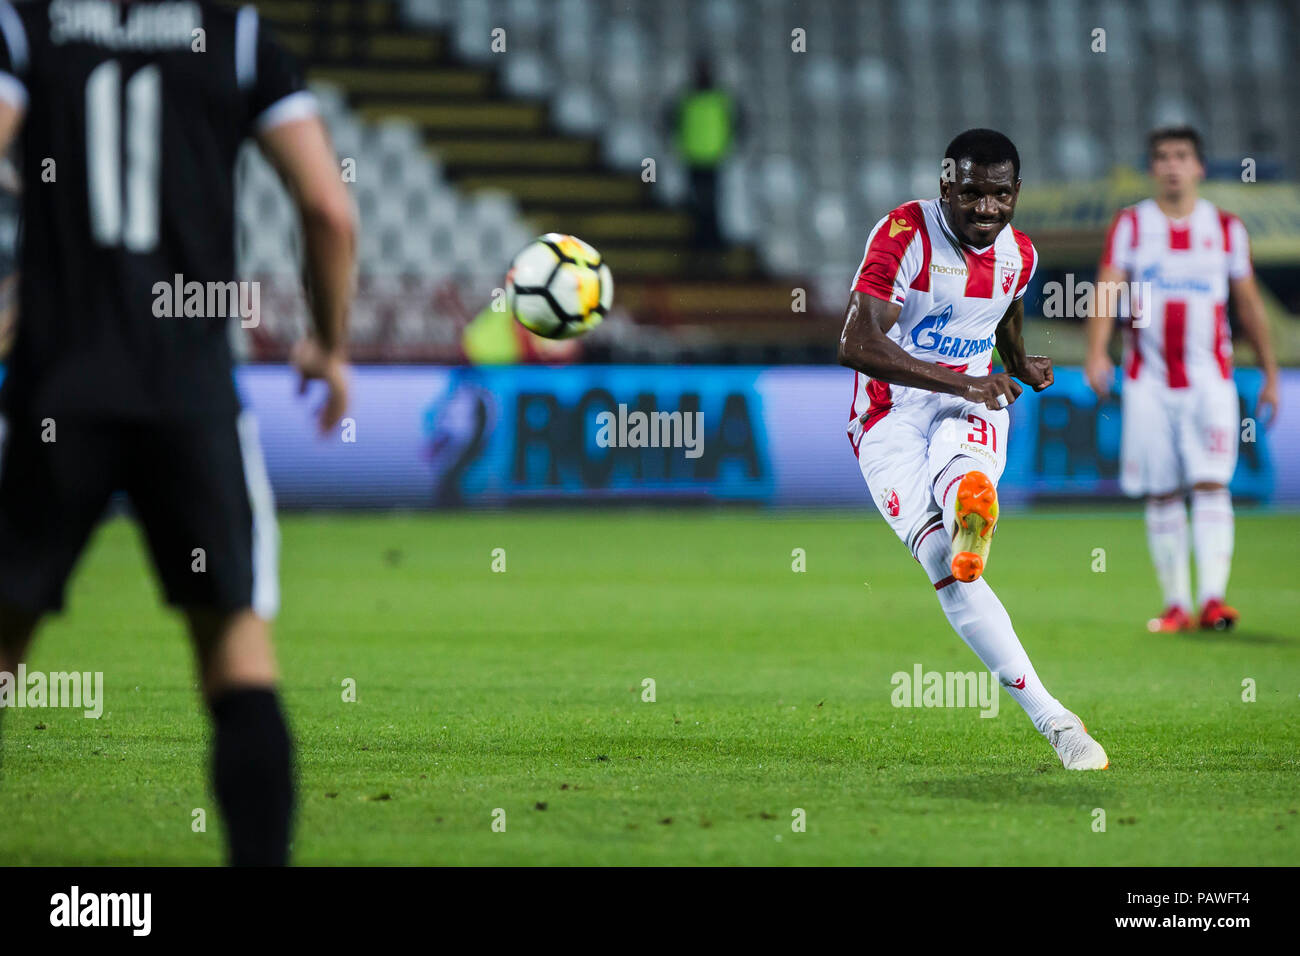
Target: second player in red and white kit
pixel 1178 258
pixel 939 289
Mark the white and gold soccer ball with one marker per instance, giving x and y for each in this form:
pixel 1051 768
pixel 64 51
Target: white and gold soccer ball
pixel 559 287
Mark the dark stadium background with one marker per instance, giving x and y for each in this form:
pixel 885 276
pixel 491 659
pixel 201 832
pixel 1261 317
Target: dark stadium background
pixel 466 127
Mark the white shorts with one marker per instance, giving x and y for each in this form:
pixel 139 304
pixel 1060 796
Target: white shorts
pixel 907 447
pixel 1177 437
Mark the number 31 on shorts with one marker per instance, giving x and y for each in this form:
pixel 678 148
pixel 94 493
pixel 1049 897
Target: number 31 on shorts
pixel 984 433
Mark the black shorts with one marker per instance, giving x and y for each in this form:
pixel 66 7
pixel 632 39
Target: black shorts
pixel 198 488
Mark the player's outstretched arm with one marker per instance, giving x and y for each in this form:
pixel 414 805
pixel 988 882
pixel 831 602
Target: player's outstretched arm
pixel 865 348
pixel 1034 370
pixel 1254 324
pixel 1098 367
pixel 301 153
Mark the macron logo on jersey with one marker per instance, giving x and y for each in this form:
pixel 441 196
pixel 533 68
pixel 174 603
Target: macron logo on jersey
pixel 928 337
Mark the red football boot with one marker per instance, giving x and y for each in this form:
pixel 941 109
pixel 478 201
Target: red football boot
pixel 1174 619
pixel 1217 616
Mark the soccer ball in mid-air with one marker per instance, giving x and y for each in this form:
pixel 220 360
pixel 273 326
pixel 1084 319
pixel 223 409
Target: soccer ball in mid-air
pixel 559 287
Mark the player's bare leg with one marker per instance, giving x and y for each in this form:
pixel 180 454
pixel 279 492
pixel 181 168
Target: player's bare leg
pixel 1166 521
pixel 979 618
pixel 17 627
pixel 1212 529
pixel 252 753
pixel 234 650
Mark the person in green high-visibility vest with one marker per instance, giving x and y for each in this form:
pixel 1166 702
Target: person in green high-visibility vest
pixel 493 337
pixel 704 130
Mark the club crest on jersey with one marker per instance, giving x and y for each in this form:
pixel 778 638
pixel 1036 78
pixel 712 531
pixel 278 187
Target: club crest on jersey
pixel 928 337
pixel 1008 278
pixel 890 500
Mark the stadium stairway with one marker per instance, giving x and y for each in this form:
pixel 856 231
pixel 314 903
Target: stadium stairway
pixel 488 140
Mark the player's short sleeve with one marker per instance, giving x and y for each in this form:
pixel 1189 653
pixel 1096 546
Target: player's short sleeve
pixel 1117 252
pixel 1028 264
pixel 894 256
pixel 1237 247
pixel 13 57
pixel 268 75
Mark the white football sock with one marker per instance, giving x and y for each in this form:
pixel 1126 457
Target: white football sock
pixel 979 618
pixel 1167 539
pixel 1212 527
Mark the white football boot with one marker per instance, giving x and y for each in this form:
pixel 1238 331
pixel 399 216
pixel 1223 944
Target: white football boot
pixel 1074 745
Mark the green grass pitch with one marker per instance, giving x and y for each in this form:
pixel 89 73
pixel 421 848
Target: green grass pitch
pixel 522 691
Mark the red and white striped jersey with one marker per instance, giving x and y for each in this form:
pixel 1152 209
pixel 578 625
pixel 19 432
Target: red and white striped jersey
pixel 952 296
pixel 1181 270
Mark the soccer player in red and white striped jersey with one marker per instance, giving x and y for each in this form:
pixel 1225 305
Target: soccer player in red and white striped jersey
pixel 1181 422
pixel 941 285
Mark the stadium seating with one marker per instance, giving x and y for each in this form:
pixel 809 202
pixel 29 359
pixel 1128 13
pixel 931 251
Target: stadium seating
pixel 833 140
pixel 476 150
pixel 453 175
pixel 418 232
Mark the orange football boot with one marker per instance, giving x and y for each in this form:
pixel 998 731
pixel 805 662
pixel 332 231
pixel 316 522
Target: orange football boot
pixel 977 516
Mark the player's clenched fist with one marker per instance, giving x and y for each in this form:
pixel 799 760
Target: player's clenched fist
pixel 993 391
pixel 1037 372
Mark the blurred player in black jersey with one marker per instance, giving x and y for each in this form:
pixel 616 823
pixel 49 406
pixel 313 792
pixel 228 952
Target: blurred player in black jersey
pixel 129 116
